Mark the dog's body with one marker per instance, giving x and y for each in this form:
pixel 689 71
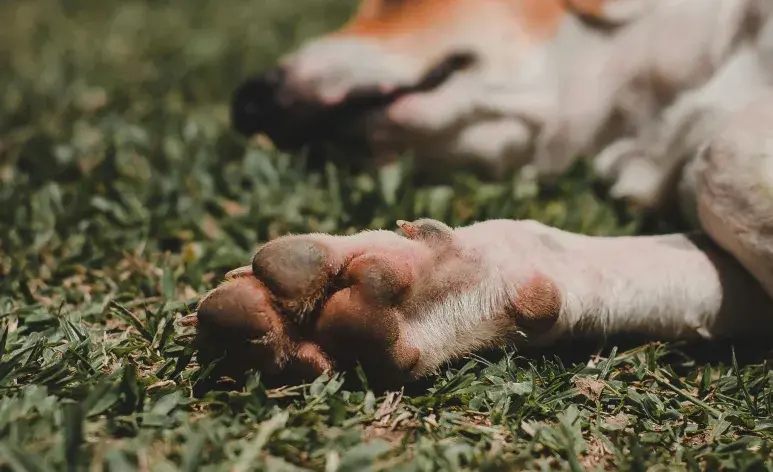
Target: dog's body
pixel 675 97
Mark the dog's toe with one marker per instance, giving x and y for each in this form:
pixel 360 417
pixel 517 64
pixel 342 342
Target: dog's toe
pixel 238 320
pixel 296 270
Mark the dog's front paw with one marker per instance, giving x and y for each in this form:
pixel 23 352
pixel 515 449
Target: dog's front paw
pixel 314 303
pixel 397 305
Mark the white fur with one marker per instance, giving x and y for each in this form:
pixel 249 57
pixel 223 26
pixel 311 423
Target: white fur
pixel 659 285
pixel 456 325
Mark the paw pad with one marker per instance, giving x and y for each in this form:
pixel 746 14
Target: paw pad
pixel 240 306
pixel 381 281
pixel 537 306
pixel 295 270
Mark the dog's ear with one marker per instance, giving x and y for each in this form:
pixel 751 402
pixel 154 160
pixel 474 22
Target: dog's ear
pixel 610 13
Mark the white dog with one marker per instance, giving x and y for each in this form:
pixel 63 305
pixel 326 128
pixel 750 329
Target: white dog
pixel 674 97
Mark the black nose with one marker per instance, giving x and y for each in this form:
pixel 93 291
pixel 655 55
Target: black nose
pixel 255 106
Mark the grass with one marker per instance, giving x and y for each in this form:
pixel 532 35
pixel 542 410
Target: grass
pixel 123 195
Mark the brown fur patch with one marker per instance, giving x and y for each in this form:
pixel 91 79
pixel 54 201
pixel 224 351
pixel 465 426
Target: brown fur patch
pixel 593 8
pixel 385 18
pixel 537 306
pixel 541 18
pixel 390 18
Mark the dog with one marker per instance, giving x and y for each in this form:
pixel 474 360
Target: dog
pixel 673 97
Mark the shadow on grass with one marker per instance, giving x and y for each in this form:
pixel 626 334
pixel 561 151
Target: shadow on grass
pixel 681 357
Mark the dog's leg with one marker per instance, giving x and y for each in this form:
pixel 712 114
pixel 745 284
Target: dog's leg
pixel 618 90
pixel 734 189
pixel 645 169
pixel 403 305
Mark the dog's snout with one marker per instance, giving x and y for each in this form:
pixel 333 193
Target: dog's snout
pixel 256 102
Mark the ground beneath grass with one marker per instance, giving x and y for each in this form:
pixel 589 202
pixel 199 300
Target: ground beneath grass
pixel 123 195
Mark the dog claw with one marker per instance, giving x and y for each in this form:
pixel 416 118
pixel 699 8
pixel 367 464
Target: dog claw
pixel 239 272
pixel 426 229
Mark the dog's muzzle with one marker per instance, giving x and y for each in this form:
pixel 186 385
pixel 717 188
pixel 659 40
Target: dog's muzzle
pixel 268 104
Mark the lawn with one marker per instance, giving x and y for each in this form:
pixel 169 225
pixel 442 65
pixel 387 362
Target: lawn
pixel 124 195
